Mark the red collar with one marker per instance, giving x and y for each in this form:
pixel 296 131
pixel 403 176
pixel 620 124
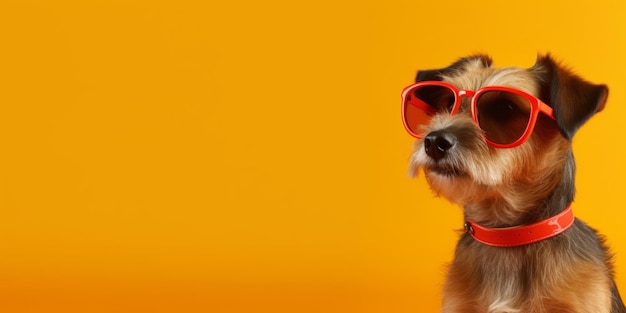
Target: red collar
pixel 521 235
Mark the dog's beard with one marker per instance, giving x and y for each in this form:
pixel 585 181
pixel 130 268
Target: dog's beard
pixel 450 181
pixel 464 175
pixel 495 186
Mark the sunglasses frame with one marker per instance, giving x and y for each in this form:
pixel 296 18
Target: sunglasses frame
pixel 536 106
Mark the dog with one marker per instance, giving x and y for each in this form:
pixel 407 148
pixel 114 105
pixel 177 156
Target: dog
pixel 497 141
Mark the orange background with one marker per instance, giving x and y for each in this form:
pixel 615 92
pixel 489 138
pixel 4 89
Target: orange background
pixel 177 156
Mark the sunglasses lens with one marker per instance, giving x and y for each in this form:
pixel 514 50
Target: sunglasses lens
pixel 422 103
pixel 503 116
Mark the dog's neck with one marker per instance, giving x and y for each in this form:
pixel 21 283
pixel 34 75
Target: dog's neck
pixel 495 211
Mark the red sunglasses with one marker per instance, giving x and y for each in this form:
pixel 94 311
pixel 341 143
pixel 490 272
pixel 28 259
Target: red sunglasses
pixel 506 115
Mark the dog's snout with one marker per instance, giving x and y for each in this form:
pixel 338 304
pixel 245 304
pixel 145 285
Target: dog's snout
pixel 437 143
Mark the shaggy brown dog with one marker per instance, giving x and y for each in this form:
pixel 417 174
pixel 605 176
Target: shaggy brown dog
pixel 498 142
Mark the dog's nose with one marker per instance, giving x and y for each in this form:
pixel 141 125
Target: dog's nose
pixel 437 143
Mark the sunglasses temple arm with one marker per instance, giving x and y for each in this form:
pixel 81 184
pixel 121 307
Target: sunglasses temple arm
pixel 546 109
pixel 422 105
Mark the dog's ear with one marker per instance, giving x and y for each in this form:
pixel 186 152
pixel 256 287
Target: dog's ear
pixel 479 60
pixel 573 99
pixel 423 75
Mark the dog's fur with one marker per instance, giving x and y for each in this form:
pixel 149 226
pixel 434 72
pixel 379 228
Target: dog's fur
pixel 571 272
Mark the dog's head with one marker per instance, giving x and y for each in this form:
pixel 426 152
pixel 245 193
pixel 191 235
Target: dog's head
pixel 479 166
